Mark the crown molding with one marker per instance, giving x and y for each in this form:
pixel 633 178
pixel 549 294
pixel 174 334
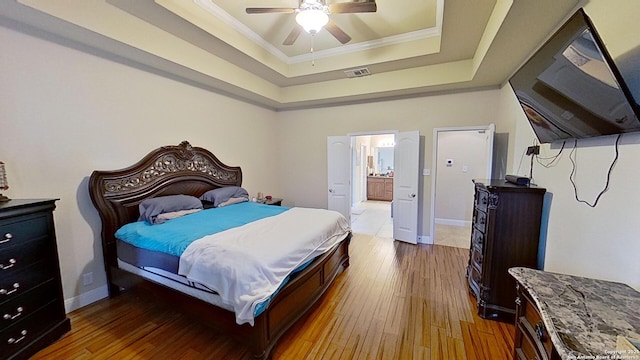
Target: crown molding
pixel 232 22
pixel 229 20
pixel 366 45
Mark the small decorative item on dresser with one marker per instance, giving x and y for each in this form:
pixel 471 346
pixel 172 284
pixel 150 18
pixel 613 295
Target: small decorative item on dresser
pixel 4 185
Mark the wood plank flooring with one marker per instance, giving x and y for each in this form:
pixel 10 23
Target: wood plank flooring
pixel 395 301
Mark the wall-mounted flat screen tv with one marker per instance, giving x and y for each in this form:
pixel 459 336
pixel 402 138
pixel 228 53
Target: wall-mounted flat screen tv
pixel 571 88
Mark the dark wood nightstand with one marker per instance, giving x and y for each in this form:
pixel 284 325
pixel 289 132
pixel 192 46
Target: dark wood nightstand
pixel 273 201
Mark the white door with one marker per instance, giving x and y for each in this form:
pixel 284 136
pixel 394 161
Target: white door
pixel 405 187
pixel 339 174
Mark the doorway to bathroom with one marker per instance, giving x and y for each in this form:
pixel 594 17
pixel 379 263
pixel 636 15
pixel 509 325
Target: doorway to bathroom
pixel 343 155
pixel 372 184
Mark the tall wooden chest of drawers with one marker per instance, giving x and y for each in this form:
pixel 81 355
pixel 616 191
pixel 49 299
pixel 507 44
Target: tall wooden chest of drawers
pixel 505 233
pixel 32 313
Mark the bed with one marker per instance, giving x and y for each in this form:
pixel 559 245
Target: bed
pixel 187 170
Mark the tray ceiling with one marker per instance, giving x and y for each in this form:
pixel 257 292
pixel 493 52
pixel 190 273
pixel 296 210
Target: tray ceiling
pixel 410 47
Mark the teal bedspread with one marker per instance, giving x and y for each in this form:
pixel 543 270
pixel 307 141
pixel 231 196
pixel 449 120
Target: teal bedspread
pixel 173 237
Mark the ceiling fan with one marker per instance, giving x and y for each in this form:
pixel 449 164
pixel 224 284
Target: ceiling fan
pixel 313 15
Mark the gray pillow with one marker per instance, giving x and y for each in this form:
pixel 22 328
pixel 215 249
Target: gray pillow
pixel 151 208
pixel 223 194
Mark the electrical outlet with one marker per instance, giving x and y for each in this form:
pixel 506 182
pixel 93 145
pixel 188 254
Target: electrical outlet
pixel 87 279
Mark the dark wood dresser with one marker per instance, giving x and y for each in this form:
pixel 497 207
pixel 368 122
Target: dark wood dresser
pixel 32 313
pixel 505 233
pixel 568 317
pixel 532 337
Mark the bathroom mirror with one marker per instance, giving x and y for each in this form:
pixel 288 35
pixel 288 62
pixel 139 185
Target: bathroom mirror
pixel 385 159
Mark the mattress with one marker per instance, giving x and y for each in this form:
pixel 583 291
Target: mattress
pixel 177 282
pixel 162 268
pixel 144 258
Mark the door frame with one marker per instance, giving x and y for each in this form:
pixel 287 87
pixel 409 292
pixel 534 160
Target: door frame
pixel 434 172
pixel 353 136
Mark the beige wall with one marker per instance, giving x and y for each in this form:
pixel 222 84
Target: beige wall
pixel 64 113
pixel 302 148
pixel 454 189
pixel 600 242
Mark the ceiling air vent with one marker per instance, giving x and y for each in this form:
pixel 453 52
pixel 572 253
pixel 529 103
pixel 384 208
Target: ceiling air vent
pixel 353 73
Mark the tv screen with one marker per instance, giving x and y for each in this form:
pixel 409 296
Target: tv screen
pixel 571 89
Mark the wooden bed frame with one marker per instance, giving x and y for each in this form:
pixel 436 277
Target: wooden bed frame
pixel 184 169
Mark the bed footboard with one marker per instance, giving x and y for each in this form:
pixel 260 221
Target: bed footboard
pixel 298 298
pixel 295 300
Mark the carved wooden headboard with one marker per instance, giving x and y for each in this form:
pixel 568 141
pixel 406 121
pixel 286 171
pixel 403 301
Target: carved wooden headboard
pixel 168 170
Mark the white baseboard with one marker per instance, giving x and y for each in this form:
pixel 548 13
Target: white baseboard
pixel 86 298
pixel 453 222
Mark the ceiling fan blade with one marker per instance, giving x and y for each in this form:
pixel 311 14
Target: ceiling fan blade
pixel 334 30
pixel 270 10
pixel 293 35
pixel 353 7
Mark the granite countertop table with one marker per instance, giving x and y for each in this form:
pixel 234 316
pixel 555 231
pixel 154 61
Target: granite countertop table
pixel 583 316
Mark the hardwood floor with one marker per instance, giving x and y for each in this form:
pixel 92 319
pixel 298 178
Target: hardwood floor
pixel 395 301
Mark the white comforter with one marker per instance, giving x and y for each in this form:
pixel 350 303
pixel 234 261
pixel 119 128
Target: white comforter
pixel 247 264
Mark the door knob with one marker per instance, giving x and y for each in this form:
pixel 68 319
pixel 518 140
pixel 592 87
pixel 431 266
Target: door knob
pixel 330 190
pixel 412 195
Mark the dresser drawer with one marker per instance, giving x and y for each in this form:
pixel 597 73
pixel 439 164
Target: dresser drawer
pixel 534 340
pixel 479 220
pixel 476 259
pixel 15 231
pixel 27 303
pixel 477 239
pixel 18 257
pixel 527 351
pixel 15 283
pixel 481 199
pixel 19 335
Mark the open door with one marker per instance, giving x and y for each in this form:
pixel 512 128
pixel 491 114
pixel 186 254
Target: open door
pixel 405 187
pixel 339 175
pixel 485 166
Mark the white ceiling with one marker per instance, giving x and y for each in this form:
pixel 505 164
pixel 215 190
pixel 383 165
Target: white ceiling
pixel 411 47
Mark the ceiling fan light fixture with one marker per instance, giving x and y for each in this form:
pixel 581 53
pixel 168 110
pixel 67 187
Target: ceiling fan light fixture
pixel 312 20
